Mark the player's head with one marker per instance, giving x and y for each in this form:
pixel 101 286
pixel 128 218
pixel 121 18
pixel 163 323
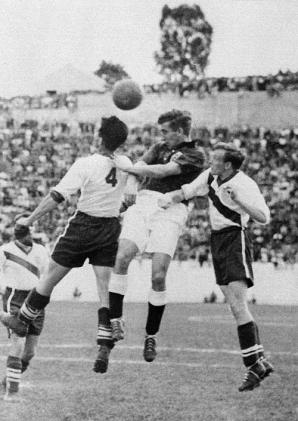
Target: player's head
pixel 225 158
pixel 22 233
pixel 113 132
pixel 175 126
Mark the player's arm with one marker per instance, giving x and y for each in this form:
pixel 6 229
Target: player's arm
pixel 2 278
pixel 251 201
pixel 198 187
pixel 156 171
pixel 68 185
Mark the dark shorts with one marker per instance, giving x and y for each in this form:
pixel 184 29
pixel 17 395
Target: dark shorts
pixel 232 256
pixel 12 302
pixel 88 237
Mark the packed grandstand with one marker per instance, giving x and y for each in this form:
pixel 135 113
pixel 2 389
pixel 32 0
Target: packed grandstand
pixel 34 156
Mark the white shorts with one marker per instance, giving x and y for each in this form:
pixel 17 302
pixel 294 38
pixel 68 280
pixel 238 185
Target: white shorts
pixel 151 228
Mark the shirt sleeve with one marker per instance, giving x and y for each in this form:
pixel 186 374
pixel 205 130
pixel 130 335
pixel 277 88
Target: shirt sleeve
pixel 198 187
pixel 2 263
pixel 73 179
pixel 250 193
pixel 189 160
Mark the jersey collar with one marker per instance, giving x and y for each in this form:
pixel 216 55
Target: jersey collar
pixel 220 181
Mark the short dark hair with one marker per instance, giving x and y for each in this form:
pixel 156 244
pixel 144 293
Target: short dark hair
pixel 113 132
pixel 232 154
pixel 177 119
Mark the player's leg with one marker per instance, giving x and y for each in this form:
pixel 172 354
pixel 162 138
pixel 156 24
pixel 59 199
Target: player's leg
pixel 34 331
pixel 29 350
pixel 104 331
pixel 165 231
pixel 118 285
pixel 37 300
pixel 133 239
pixel 251 350
pixel 156 303
pixel 13 368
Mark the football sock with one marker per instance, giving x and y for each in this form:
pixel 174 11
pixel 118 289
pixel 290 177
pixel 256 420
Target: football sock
pixel 248 343
pixel 117 288
pixel 261 348
pixel 104 330
pixel 13 373
pixel 116 305
pixel 25 365
pixel 156 307
pixel 32 306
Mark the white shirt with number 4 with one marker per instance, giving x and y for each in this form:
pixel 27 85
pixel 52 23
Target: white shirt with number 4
pixel 101 184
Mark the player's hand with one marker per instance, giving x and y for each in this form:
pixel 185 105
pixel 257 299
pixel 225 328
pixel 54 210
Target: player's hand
pixel 165 201
pixel 129 199
pixel 231 192
pixel 25 222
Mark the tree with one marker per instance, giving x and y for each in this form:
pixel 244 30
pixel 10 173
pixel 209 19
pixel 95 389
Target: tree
pixel 111 73
pixel 185 44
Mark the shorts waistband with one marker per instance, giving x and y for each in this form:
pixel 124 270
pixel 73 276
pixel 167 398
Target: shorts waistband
pixel 17 291
pixel 95 218
pixel 227 229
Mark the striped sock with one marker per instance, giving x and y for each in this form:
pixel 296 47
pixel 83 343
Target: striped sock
pixel 32 306
pixel 13 374
pixel 104 330
pixel 248 343
pixel 261 348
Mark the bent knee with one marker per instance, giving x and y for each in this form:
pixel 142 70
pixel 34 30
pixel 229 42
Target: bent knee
pixel 159 282
pixel 123 259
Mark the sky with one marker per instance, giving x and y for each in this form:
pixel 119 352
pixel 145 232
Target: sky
pixel 40 36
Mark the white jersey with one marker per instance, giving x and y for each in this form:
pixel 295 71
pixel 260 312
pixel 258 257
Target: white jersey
pixel 21 270
pixel 101 185
pixel 224 212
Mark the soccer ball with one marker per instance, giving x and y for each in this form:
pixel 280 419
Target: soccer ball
pixel 127 94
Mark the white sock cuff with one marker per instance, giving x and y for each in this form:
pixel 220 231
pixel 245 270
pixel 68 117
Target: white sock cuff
pixel 157 298
pixel 118 283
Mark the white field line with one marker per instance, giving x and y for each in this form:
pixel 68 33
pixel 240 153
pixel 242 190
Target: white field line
pixel 129 361
pixel 142 362
pixel 160 348
pixel 223 320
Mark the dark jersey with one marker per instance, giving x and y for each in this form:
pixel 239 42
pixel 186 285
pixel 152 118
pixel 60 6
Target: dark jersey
pixel 190 158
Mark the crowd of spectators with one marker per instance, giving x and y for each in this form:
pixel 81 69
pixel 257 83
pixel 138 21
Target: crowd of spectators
pixel 35 156
pixel 272 84
pixel 50 100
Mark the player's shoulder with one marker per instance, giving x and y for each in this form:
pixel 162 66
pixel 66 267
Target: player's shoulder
pixel 40 248
pixel 7 246
pixel 242 178
pixel 123 159
pixel 191 154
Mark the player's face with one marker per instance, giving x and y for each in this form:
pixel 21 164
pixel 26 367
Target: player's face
pixel 217 163
pixel 171 137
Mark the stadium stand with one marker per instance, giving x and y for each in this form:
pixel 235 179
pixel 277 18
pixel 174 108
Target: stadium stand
pixel 34 156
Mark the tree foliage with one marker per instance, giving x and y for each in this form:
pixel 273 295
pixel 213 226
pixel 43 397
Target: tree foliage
pixel 111 73
pixel 185 43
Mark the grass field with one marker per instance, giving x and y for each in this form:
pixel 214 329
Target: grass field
pixel 195 376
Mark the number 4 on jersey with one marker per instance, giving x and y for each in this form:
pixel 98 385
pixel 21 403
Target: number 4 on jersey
pixel 111 177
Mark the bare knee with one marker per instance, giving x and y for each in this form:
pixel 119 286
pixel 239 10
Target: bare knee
pixel 159 280
pixel 126 252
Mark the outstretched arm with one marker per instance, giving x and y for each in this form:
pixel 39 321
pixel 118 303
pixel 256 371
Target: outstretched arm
pixel 154 171
pixel 47 204
pixel 169 199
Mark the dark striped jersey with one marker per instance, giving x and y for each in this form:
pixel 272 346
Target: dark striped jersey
pixel 224 212
pixel 190 158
